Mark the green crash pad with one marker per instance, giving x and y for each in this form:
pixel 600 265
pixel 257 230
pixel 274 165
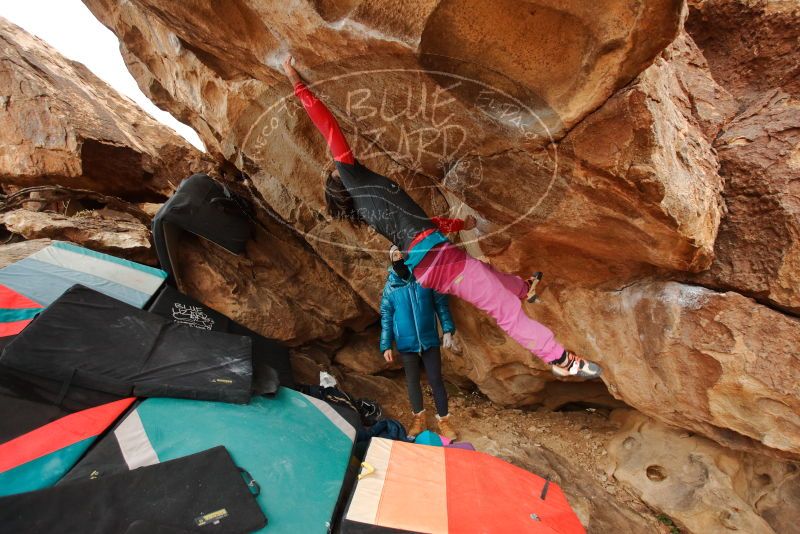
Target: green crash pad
pixel 296 447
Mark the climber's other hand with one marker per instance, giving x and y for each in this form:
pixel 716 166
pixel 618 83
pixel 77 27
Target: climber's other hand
pixel 288 68
pixel 470 222
pixel 388 356
pixel 449 341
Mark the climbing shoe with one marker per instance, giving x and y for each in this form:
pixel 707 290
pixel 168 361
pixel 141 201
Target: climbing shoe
pixel 532 282
pixel 445 428
pixel 573 365
pixel 417 424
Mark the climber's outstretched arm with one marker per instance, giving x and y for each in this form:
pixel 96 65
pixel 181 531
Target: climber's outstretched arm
pixel 320 115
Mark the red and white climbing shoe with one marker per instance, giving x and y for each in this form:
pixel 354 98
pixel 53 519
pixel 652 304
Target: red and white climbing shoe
pixel 532 282
pixel 574 365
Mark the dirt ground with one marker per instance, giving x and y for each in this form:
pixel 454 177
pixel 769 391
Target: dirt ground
pixel 567 446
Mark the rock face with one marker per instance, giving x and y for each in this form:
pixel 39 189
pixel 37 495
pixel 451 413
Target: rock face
pixel 648 148
pixel 267 288
pixel 758 250
pixel 751 45
pixel 700 485
pixel 63 125
pixel 359 353
pixel 752 49
pixel 695 358
pixel 64 129
pixel 112 233
pixel 474 137
pixel 597 143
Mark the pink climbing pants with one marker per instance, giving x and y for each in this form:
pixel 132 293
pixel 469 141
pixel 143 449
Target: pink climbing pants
pixel 448 269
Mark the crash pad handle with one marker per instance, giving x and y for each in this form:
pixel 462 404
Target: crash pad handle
pixel 367 470
pixel 545 488
pixel 252 485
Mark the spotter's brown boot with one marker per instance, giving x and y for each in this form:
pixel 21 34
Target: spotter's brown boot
pixel 446 429
pixel 417 424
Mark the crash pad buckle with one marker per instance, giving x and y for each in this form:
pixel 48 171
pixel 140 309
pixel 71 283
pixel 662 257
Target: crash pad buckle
pixel 368 470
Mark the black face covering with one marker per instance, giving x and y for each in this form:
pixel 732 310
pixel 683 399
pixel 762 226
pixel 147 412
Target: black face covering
pixel 401 269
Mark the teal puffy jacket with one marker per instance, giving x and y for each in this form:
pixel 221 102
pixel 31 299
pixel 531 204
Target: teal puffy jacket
pixel 408 315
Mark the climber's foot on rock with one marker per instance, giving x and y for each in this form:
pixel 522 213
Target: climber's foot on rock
pixel 532 282
pixel 572 365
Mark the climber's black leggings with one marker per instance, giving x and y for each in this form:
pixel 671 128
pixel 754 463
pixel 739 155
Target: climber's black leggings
pixel 432 360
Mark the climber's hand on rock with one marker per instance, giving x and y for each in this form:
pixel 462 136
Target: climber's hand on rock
pixel 388 356
pixel 288 68
pixel 470 222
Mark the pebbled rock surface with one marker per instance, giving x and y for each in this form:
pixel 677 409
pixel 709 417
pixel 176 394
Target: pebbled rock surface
pixel 753 50
pixel 697 359
pixel 697 483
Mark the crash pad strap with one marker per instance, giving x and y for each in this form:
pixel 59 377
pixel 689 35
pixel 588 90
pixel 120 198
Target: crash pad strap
pixel 65 388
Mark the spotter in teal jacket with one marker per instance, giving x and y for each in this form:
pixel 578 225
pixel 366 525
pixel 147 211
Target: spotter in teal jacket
pixel 408 315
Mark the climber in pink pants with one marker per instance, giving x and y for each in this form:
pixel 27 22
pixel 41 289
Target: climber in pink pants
pixel 450 270
pixel 358 195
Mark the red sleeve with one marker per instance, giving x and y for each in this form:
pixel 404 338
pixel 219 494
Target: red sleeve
pixel 326 123
pixel 448 226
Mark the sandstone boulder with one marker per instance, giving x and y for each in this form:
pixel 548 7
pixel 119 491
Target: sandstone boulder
pixel 441 138
pixel 751 45
pixel 610 187
pixel 361 353
pixel 695 358
pixel 758 249
pixel 63 125
pixel 700 485
pixel 752 51
pixel 104 231
pixel 648 146
pixel 268 288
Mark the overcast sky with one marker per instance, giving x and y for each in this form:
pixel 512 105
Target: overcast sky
pixel 69 27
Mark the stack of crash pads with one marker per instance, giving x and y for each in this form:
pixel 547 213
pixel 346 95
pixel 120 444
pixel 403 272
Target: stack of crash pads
pixel 269 356
pixel 406 487
pixel 26 288
pixel 92 341
pixel 80 339
pixel 45 275
pixel 295 447
pixel 207 209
